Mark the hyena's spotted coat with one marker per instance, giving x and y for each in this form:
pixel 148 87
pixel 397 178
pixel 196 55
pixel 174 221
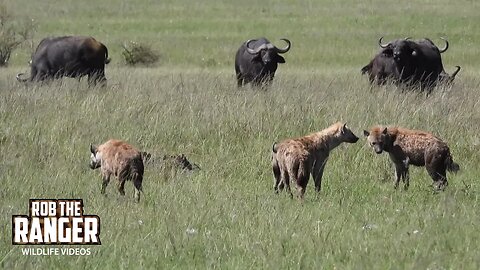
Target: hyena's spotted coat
pixel 294 159
pixel 119 159
pixel 413 147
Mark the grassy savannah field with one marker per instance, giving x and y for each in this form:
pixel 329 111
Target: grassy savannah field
pixel 226 215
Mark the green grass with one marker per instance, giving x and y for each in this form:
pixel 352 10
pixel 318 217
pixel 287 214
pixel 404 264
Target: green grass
pixel 190 104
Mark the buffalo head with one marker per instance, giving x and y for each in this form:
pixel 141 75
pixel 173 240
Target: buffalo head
pixel 267 52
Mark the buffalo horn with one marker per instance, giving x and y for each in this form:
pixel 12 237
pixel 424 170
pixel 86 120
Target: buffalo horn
pixel 382 45
pixel 20 79
pixel 286 49
pixel 446 45
pixel 253 51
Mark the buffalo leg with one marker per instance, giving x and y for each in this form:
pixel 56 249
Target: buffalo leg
pixel 240 81
pixel 97 77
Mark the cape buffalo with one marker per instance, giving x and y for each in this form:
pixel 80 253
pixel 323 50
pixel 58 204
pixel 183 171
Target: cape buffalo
pixel 69 56
pixel 256 61
pixel 409 63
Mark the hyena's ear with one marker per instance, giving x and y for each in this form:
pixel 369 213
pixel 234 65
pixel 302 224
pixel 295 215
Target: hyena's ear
pixel 366 133
pixel 384 131
pixel 344 128
pixel 93 149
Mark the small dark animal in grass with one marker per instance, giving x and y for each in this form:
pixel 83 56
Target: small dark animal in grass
pixel 257 60
pixel 294 159
pixel 412 147
pixel 68 56
pixel 119 159
pixel 409 63
pixel 178 161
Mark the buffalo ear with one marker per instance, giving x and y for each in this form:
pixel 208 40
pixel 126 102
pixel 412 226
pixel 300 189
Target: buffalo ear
pixel 280 59
pixel 384 131
pixel 388 52
pixel 365 69
pixel 93 149
pixel 366 133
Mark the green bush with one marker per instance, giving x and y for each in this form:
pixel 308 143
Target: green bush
pixel 12 34
pixel 136 53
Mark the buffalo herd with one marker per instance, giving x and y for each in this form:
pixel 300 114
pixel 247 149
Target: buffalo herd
pixel 404 62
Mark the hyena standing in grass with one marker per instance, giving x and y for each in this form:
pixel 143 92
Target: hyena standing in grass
pixel 119 159
pixel 413 147
pixel 294 159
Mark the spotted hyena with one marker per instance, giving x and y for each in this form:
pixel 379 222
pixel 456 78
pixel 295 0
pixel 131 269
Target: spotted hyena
pixel 119 159
pixel 413 147
pixel 294 159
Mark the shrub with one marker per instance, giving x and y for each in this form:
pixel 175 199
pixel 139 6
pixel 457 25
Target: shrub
pixel 12 34
pixel 136 53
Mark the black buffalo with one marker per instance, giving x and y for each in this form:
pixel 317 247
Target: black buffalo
pixel 257 60
pixel 69 56
pixel 410 63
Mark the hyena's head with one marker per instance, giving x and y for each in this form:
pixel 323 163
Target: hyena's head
pixel 346 134
pixel 376 138
pixel 95 157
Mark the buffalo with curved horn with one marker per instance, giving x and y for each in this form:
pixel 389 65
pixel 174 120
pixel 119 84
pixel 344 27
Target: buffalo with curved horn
pixel 257 60
pixel 409 63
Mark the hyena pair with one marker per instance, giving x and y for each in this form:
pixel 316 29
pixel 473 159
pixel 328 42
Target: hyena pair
pixel 295 159
pixel 119 159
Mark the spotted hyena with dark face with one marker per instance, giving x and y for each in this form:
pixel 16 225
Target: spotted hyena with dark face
pixel 294 159
pixel 412 147
pixel 119 159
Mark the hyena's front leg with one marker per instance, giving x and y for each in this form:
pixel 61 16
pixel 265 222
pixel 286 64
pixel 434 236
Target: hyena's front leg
pixel 317 173
pixel 401 171
pixel 106 180
pixel 406 174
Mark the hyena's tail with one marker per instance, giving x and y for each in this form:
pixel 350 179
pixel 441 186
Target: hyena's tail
pixel 451 165
pixel 274 147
